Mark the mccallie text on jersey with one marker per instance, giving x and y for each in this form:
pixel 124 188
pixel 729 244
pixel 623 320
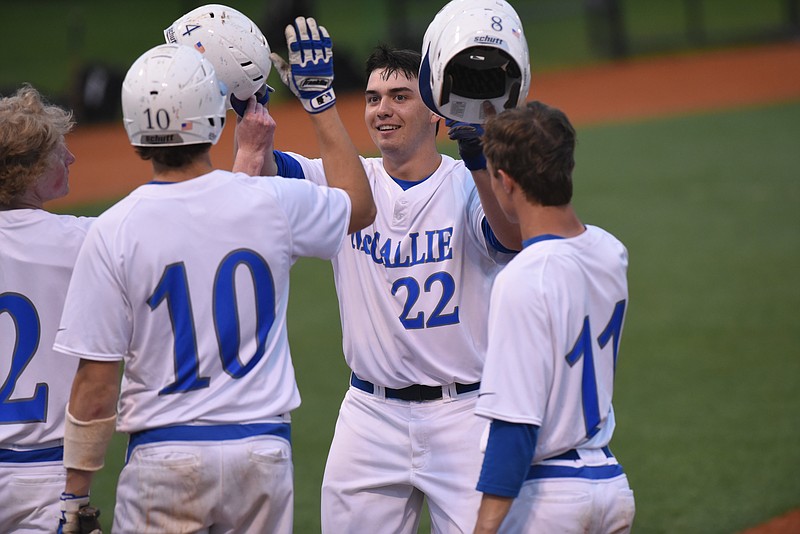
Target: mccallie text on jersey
pixel 429 247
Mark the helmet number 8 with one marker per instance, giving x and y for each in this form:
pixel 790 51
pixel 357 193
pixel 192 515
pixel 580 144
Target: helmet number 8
pixel 162 116
pixel 497 24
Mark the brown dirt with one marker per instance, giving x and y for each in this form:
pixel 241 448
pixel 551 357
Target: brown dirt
pixel 107 168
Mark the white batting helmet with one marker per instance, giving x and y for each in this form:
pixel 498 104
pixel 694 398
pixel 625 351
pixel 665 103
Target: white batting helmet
pixel 231 41
pixel 171 97
pixel 473 51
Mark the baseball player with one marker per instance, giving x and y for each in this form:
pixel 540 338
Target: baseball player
pixel 37 254
pixel 413 289
pixel 556 316
pixel 191 273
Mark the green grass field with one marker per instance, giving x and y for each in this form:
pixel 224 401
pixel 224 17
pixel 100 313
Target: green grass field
pixel 706 400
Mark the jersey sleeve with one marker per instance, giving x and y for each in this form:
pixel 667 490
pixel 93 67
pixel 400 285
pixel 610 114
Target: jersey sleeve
pixel 518 372
pixel 96 322
pixel 288 167
pixel 311 169
pixel 479 226
pixel 509 452
pixel 317 215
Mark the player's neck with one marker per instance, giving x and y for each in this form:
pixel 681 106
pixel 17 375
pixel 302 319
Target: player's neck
pixel 554 220
pixel 414 167
pixel 28 200
pixel 198 167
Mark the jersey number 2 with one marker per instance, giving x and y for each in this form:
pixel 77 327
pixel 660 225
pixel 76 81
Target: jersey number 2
pixel 583 347
pixel 174 289
pixel 26 321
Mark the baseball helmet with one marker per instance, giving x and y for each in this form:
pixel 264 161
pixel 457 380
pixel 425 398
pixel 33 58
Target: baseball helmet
pixel 171 97
pixel 474 51
pixel 231 41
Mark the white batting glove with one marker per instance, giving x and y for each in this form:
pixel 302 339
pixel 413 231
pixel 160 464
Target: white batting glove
pixel 309 73
pixel 70 505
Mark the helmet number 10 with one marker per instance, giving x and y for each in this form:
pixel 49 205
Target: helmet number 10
pixel 161 116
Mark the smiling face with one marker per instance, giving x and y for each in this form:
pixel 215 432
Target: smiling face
pixel 397 119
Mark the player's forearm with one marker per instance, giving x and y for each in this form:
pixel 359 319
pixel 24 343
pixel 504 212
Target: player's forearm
pixel 343 168
pixel 507 233
pixel 78 482
pixel 253 142
pixel 95 390
pixel 492 512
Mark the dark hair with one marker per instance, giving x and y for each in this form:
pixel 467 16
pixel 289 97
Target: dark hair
pixel 394 60
pixel 173 156
pixel 535 145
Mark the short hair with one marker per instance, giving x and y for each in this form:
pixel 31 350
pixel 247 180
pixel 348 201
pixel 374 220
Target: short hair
pixel 172 156
pixel 394 60
pixel 535 146
pixel 30 130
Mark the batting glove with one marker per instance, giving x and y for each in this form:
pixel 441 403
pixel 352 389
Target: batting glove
pixel 77 517
pixel 309 73
pixel 470 148
pixel 262 97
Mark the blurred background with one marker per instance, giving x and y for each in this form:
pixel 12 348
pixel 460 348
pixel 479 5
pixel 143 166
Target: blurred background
pixel 77 52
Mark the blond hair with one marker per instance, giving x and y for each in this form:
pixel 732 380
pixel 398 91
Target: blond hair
pixel 30 130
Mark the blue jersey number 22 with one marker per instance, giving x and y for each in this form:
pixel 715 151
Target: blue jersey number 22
pixel 437 317
pixel 583 347
pixel 174 289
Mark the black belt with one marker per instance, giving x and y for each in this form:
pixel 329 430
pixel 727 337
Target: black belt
pixel 415 393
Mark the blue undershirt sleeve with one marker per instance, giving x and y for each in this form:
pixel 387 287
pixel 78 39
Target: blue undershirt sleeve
pixel 508 458
pixel 492 240
pixel 288 167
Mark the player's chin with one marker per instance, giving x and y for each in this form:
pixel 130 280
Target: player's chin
pixel 385 138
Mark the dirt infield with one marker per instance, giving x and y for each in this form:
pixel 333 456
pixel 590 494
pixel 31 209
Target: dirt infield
pixel 107 168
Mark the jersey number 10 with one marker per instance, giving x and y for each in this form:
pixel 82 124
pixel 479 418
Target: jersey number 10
pixel 173 288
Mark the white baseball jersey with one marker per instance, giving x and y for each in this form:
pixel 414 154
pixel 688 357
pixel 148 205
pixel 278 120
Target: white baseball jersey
pixel 414 286
pixel 189 283
pixel 556 317
pixel 37 254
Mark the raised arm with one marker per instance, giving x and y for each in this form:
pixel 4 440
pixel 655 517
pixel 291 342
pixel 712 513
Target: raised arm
pixel 253 143
pixel 309 75
pixel 468 137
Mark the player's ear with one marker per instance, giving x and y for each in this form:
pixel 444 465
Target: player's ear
pixel 506 181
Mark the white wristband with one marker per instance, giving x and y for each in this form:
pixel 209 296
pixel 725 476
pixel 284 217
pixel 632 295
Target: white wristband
pixel 85 442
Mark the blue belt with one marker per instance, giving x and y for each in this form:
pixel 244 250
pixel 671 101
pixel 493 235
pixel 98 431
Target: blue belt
pixel 415 393
pixel 207 433
pixel 52 454
pixel 572 454
pixel 596 472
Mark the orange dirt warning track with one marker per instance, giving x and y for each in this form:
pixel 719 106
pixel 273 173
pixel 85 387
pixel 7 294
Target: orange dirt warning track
pixel 107 168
